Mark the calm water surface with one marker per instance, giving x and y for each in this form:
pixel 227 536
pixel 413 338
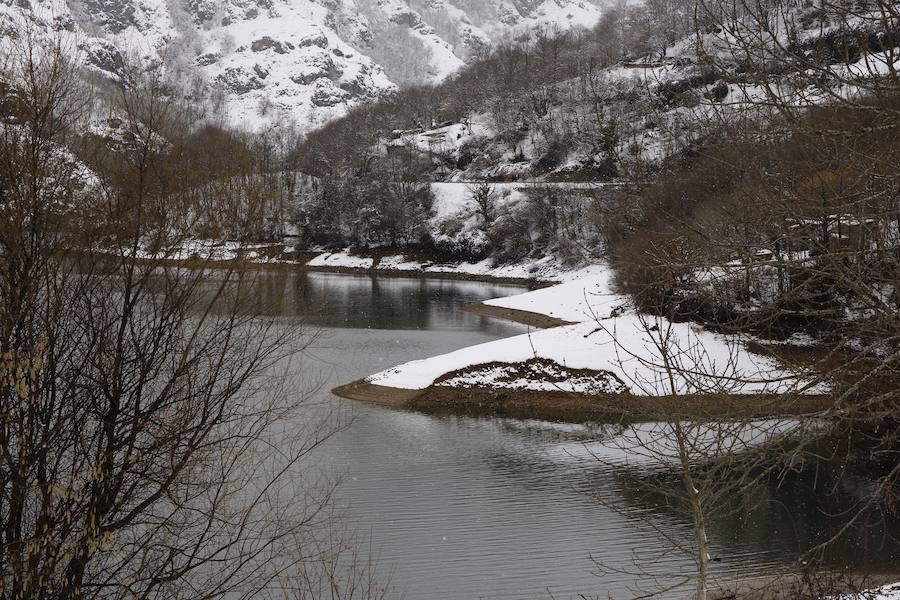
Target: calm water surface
pixel 465 508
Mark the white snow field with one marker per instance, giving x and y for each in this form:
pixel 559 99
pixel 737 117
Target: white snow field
pixel 587 296
pixel 888 592
pixel 341 259
pixel 650 355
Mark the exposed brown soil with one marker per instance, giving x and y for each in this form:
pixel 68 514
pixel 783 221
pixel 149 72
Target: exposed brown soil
pixel 525 317
pixel 565 406
pixel 377 394
pixel 579 408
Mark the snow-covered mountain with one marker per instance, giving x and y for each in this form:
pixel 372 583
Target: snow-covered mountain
pixel 303 60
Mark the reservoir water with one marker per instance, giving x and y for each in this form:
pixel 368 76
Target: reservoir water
pixel 458 507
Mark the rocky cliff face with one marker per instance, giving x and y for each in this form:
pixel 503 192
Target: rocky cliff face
pixel 266 61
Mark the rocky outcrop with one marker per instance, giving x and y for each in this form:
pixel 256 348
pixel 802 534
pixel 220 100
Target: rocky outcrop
pixel 305 60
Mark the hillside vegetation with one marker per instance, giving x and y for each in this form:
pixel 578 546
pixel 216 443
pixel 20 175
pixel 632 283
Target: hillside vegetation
pixel 741 160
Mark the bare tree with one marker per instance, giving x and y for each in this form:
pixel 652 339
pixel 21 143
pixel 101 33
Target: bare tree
pixel 710 460
pixel 150 443
pixel 786 220
pixel 484 197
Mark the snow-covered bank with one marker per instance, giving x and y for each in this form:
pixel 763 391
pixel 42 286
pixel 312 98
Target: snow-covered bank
pixel 341 260
pixel 209 252
pixel 627 348
pixel 609 349
pixel 586 296
pixel 546 269
pixel 887 592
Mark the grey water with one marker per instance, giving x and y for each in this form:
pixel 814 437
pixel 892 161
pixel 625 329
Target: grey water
pixel 466 507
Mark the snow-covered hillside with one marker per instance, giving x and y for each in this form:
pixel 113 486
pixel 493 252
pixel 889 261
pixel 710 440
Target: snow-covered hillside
pixel 305 61
pixel 425 40
pixel 642 109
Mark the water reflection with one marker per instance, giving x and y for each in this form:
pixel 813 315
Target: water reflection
pixel 578 507
pixel 368 302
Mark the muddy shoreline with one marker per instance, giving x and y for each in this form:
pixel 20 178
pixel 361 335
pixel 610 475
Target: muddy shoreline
pixel 579 408
pixel 532 319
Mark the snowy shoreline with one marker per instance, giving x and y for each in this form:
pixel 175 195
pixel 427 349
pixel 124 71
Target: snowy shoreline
pixel 218 255
pixel 596 354
pixel 591 354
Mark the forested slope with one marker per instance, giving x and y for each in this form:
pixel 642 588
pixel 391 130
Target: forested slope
pixel 720 155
